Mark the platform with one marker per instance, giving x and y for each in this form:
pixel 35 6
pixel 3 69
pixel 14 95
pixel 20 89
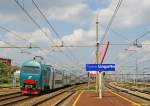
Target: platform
pixel 110 98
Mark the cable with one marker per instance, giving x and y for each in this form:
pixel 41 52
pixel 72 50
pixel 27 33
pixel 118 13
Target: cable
pixel 51 26
pixel 5 29
pixel 19 37
pixel 16 35
pixel 115 44
pixel 7 43
pixel 34 21
pixel 111 19
pixel 118 34
pixel 143 35
pixel 13 46
pixel 23 9
pixel 37 6
pixel 110 22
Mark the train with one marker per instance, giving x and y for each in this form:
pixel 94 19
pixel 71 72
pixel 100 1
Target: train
pixel 36 77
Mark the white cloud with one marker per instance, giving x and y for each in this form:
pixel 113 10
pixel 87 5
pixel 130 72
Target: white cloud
pixel 71 13
pixel 145 46
pixel 128 15
pixel 77 11
pixel 80 36
pixel 36 38
pixel 141 53
pixel 3 44
pixel 144 51
pixel 132 13
pixel 122 55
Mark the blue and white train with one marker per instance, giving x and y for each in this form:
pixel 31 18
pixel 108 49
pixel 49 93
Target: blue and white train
pixel 36 77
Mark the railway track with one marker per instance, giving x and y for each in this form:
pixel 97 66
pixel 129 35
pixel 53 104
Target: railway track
pixel 142 91
pixel 10 95
pixel 51 99
pixel 60 102
pixel 12 99
pixel 55 98
pixel 133 89
pixel 127 92
pixel 41 101
pixel 3 95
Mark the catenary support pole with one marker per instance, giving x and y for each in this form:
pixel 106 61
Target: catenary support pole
pixel 98 74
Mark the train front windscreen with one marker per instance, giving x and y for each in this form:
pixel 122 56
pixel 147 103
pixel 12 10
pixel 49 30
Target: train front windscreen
pixel 31 69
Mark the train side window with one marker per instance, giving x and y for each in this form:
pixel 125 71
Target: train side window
pixel 48 69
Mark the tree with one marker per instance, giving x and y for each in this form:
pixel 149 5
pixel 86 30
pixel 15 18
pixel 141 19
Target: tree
pixel 4 69
pixel 6 72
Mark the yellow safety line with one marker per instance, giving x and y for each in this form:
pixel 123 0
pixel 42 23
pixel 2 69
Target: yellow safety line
pixel 74 104
pixel 134 103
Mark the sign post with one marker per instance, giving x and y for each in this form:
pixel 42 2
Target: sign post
pixel 97 50
pixel 100 85
pixel 100 68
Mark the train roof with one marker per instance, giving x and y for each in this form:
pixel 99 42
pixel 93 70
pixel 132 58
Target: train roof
pixel 49 66
pixel 32 63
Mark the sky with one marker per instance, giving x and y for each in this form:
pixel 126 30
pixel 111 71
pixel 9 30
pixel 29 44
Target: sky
pixel 74 21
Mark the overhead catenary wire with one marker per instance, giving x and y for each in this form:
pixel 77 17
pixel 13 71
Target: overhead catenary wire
pixel 32 19
pixel 120 35
pixel 36 4
pixel 25 11
pixel 111 19
pixel 113 44
pixel 110 23
pixel 19 37
pixel 135 41
pixel 145 33
pixel 17 47
pixel 14 46
pixel 13 33
pixel 51 26
pixel 7 43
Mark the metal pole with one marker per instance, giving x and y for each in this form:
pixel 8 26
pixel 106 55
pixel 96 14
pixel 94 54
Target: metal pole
pixel 100 85
pixel 136 71
pixel 98 74
pixel 97 53
pixel 143 72
pixel 88 80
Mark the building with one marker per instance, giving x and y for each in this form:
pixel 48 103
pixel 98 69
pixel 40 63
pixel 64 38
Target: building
pixel 6 61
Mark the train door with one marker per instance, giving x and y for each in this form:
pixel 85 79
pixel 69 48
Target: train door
pixel 51 78
pixel 58 78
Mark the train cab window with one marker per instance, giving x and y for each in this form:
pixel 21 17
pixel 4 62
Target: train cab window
pixel 31 69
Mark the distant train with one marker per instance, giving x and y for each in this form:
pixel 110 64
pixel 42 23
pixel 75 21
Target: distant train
pixel 36 77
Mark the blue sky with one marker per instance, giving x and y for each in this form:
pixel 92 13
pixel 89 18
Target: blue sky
pixel 75 23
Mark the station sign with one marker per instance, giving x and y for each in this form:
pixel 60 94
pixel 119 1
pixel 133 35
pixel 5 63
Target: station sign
pixel 100 67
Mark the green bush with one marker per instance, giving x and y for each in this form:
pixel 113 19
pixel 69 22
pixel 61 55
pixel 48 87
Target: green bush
pixel 4 79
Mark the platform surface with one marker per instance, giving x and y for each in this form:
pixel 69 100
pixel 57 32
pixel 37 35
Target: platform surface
pixel 90 98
